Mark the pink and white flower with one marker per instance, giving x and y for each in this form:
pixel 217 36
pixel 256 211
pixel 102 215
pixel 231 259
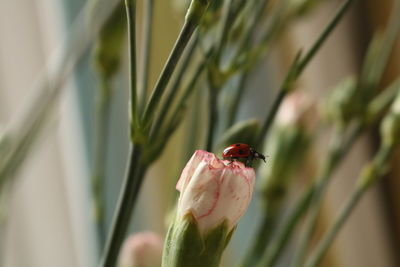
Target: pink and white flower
pixel 298 108
pixel 143 249
pixel 214 190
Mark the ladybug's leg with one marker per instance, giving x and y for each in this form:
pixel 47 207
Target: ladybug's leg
pixel 231 159
pixel 249 161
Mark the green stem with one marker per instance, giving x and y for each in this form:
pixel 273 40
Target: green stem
pixel 337 154
pixel 375 171
pixel 135 171
pixel 183 39
pixel 264 234
pixel 146 50
pixel 274 251
pixel 270 117
pixel 325 34
pixel 130 12
pixel 126 203
pixel 100 160
pixel 234 105
pixel 174 88
pixel 212 115
pixel 188 91
pixel 327 241
pixel 225 26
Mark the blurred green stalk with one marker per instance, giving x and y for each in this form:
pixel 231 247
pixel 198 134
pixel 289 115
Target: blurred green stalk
pixel 338 151
pixel 100 158
pixel 368 83
pixel 370 173
pixel 336 154
pixel 298 67
pixel 107 60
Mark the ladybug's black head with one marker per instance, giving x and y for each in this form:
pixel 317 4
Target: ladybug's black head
pixel 257 155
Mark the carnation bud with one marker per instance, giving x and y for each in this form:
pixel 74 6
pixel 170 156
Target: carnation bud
pixel 214 194
pixel 142 249
pixel 111 39
pixel 287 145
pixel 344 103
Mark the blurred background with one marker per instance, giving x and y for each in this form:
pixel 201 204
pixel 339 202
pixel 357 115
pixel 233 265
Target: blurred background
pixel 47 212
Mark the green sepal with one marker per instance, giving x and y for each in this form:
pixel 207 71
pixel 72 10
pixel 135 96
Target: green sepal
pixel 186 246
pixel 108 47
pixel 229 236
pixel 242 132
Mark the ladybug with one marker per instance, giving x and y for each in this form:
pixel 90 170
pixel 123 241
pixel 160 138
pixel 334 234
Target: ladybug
pixel 241 151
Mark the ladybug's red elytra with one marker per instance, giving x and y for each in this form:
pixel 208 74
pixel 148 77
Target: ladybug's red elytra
pixel 241 151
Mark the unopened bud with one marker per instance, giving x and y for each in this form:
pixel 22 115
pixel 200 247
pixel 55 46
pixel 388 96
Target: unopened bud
pixel 108 47
pixel 142 249
pixel 345 103
pixel 214 195
pixel 299 110
pixel 287 145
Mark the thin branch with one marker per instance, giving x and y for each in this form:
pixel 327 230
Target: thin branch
pixel 146 51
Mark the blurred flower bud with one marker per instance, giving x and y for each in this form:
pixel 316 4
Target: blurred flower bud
pixel 344 103
pixel 214 194
pixel 298 110
pixel 142 249
pixel 287 145
pixel 111 39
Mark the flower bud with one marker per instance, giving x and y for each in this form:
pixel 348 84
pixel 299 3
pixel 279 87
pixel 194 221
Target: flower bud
pixel 142 249
pixel 111 39
pixel 287 145
pixel 344 103
pixel 214 191
pixel 298 110
pixel 214 194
